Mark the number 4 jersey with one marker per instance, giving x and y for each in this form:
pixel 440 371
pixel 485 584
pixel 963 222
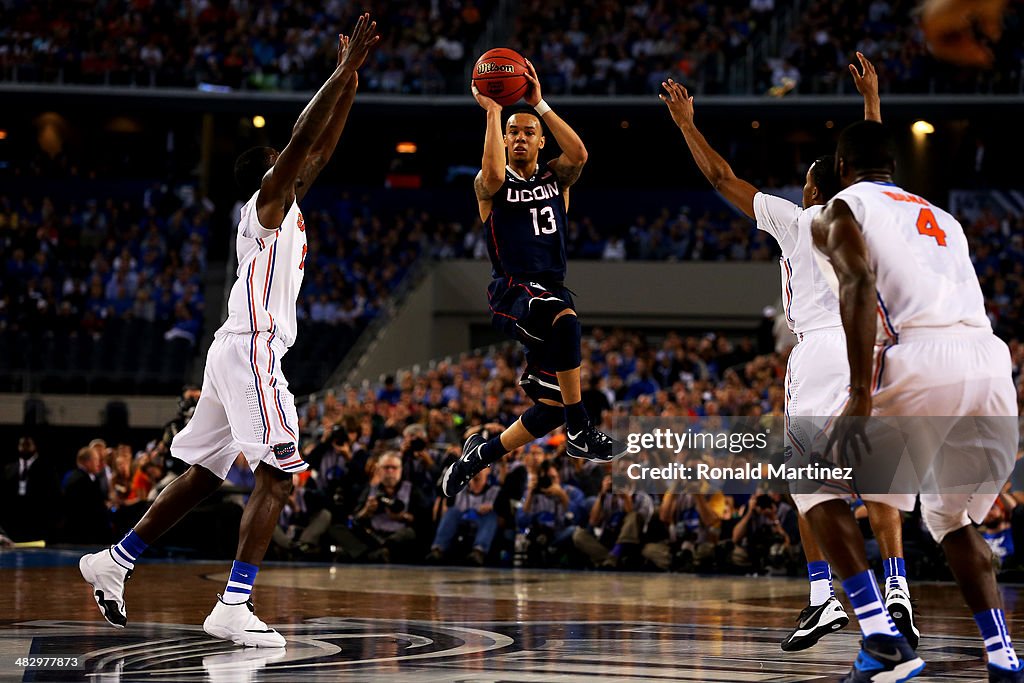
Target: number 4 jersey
pixel 923 271
pixel 527 226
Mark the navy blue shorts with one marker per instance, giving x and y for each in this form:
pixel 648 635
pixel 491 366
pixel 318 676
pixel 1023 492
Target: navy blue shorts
pixel 524 310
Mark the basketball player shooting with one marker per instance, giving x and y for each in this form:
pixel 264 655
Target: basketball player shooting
pixel 523 207
pixel 245 405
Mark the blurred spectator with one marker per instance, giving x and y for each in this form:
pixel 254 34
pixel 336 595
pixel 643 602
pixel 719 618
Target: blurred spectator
pixel 418 463
pixel 546 516
pixel 997 529
pixel 29 508
pixel 120 479
pixel 616 527
pixel 694 522
pixel 258 45
pixel 85 506
pixel 759 538
pixel 148 472
pixel 472 512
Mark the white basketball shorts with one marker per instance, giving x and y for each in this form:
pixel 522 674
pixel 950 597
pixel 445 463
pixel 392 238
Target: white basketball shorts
pixel 956 385
pixel 245 407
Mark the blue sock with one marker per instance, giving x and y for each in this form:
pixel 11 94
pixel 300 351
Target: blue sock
pixel 240 582
pixel 492 451
pixel 895 574
pixel 820 576
pixel 866 599
pixel 992 625
pixel 128 550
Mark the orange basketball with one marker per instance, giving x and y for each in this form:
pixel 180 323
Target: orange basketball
pixel 499 74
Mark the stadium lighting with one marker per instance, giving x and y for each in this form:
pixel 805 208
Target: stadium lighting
pixel 258 121
pixel 922 128
pixel 406 148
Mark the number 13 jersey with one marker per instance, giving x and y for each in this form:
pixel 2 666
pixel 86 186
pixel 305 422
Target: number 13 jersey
pixel 527 226
pixel 924 276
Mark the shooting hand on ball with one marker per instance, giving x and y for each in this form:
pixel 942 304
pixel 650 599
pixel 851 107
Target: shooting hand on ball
pixel 485 101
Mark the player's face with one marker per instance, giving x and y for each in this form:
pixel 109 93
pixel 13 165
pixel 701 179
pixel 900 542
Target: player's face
pixel 523 138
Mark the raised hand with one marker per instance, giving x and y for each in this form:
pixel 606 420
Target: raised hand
pixel 680 102
pixel 532 96
pixel 352 52
pixel 866 79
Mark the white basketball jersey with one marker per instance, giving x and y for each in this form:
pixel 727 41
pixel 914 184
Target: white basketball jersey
pixel 923 271
pixel 810 303
pixel 270 268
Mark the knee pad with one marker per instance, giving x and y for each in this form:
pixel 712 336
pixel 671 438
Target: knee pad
pixel 540 418
pixel 564 348
pixel 940 524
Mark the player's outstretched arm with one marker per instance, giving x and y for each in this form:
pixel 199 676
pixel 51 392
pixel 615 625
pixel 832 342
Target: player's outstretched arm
pixel 278 187
pixel 323 150
pixel 837 234
pixel 717 170
pixel 492 166
pixel 569 164
pixel 866 81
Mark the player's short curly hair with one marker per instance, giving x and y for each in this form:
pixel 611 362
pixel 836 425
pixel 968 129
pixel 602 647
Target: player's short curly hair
pixel 250 167
pixel 823 173
pixel 867 146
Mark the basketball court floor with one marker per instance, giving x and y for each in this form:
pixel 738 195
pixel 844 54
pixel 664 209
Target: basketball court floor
pixel 425 624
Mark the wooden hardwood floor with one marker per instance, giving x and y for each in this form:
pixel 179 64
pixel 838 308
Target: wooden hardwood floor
pixel 360 623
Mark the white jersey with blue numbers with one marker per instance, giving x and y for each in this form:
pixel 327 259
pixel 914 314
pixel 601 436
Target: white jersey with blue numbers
pixel 924 276
pixel 271 264
pixel 809 302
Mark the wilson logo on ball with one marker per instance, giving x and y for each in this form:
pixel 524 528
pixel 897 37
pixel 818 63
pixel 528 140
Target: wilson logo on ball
pixel 491 67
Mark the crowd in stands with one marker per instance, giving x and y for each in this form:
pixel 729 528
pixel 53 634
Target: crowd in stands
pixel 588 47
pixel 259 45
pixel 376 452
pixel 817 51
pixel 105 284
pixel 602 48
pixel 997 249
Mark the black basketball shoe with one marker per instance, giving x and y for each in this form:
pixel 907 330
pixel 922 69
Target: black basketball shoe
pixel 590 443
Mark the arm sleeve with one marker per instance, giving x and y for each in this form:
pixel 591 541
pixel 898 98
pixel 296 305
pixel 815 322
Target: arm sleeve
pixel 775 215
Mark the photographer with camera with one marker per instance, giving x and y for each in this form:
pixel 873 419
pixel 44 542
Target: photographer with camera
pixel 187 403
pixel 340 466
pixel 546 516
pixel 759 539
pixel 389 517
pixel 472 511
pixel 418 462
pixel 617 524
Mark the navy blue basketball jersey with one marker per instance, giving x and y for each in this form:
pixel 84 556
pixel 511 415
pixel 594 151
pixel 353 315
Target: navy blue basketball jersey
pixel 527 226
